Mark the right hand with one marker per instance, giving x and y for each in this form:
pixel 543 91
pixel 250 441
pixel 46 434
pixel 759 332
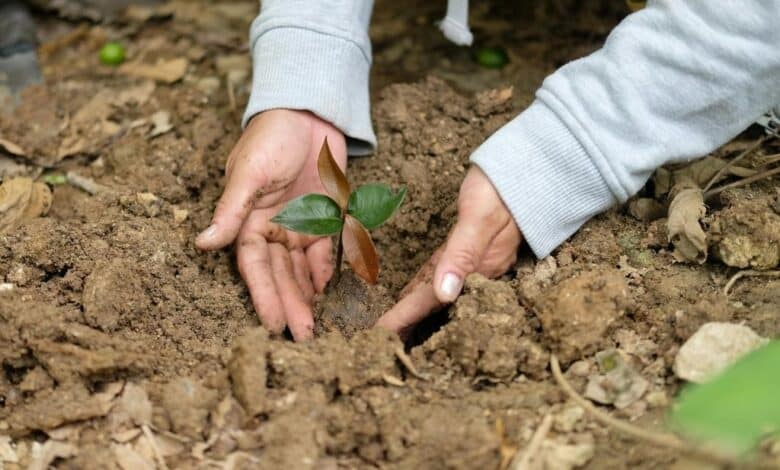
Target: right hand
pixel 274 161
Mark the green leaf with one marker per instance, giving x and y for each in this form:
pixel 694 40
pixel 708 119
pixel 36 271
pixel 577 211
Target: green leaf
pixel 312 214
pixel 373 204
pixel 54 178
pixel 739 407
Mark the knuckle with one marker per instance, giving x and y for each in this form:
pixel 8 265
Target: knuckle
pixel 465 257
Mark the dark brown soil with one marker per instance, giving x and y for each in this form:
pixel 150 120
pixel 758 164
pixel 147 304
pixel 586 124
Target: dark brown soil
pixel 124 342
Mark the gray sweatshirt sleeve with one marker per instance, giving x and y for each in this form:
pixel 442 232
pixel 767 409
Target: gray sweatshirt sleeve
pixel 315 55
pixel 673 82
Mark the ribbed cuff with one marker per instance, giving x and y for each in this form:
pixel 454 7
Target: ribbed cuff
pixel 545 177
pixel 298 68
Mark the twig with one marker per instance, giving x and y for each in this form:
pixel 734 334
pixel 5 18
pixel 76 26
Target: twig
pixel 747 272
pixel 155 449
pixel 734 161
pixel 407 362
pixel 769 159
pixel 742 182
pixel 660 439
pixel 523 461
pixel 82 182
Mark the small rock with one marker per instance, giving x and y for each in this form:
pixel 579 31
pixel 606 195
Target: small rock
pixel 713 348
pixel 6 287
pixel 208 85
pixel 579 369
pixel 618 384
pixel 150 203
pixel 567 419
pixel 180 215
pixel 161 123
pixel 545 270
pixel 646 209
pixel 558 456
pixel 657 399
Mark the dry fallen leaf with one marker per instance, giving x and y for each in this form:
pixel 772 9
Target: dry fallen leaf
pixel 685 232
pixel 22 199
pixel 44 455
pixel 129 459
pixel 161 122
pixel 12 148
pixel 166 71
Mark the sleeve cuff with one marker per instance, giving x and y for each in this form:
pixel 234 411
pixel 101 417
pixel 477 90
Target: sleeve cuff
pixel 544 176
pixel 298 68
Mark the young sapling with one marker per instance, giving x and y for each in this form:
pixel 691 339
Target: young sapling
pixel 345 213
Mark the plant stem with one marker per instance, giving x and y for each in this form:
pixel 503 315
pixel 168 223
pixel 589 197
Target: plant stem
pixel 742 182
pixel 339 256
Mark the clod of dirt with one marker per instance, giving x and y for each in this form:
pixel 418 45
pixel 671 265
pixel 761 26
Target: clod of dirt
pixel 558 455
pixel 333 361
pixel 712 349
pixel 747 234
pixel 486 334
pixel 646 209
pixel 132 408
pixel 247 369
pixel 577 313
pixel 351 305
pixel 188 403
pixel 683 225
pixel 113 294
pixel 22 199
pixel 618 383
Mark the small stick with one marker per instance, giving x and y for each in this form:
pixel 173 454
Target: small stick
pixel 734 161
pixel 339 256
pixel 153 444
pixel 774 158
pixel 742 182
pixel 747 272
pixel 82 182
pixel 523 461
pixel 660 439
pixel 407 362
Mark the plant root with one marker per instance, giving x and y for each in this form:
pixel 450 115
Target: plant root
pixel 747 273
pixel 523 461
pixel 742 182
pixel 407 362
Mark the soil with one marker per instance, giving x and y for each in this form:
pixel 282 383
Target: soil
pixel 122 345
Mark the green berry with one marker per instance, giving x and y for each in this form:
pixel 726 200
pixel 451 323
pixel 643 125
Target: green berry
pixel 492 57
pixel 112 53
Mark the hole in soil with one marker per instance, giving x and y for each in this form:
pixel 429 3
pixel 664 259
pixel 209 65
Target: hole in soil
pixel 426 328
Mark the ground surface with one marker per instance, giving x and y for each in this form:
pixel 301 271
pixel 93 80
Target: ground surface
pixel 123 346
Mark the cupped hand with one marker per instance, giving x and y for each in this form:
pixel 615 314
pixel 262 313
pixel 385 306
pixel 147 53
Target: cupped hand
pixel 485 239
pixel 275 160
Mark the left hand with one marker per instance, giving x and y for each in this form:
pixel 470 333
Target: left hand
pixel 485 240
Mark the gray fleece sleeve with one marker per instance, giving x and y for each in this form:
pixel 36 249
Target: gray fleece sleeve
pixel 673 82
pixel 315 55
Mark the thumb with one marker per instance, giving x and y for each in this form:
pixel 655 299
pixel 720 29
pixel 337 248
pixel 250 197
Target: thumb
pixel 462 255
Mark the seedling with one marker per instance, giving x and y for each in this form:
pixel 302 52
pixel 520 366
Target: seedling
pixel 345 213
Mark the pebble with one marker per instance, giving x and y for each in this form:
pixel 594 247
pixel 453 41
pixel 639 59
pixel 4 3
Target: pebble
pixel 713 348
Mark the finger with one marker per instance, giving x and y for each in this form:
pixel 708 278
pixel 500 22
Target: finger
pixel 297 311
pixel 300 266
pixel 320 256
pixel 248 186
pixel 254 264
pixel 410 310
pixel 462 255
pixel 502 253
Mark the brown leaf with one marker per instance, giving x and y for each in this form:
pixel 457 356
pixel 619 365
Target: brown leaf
pixel 332 177
pixel 22 199
pixel 683 227
pixel 166 71
pixel 359 250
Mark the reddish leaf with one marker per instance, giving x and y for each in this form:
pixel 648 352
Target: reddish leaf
pixel 359 250
pixel 332 177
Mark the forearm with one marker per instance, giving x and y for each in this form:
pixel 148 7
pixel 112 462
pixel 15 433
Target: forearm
pixel 315 56
pixel 673 82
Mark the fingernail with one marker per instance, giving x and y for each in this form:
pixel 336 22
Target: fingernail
pixel 451 285
pixel 207 234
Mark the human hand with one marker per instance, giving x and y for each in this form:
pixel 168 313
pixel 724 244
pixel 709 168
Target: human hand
pixel 485 239
pixel 275 160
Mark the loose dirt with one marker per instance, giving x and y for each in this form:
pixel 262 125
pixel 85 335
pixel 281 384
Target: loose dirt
pixel 122 345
